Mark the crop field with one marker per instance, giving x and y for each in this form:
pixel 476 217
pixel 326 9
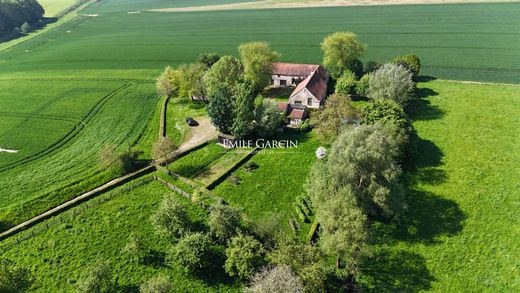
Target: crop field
pixel 60 254
pixel 53 7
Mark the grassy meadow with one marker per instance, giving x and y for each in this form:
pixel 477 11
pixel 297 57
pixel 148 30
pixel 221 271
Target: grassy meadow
pixel 59 255
pixel 53 7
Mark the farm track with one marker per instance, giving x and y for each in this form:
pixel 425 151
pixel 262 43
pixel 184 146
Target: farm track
pixel 79 126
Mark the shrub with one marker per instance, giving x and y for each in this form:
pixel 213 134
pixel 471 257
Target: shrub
pixel 244 254
pixel 14 278
pixel 372 66
pixel 392 82
pixel 346 84
pixel 275 279
pixel 191 254
pixel 97 279
pixel 384 110
pixel 362 85
pixel 171 219
pixel 160 284
pixel 223 221
pixel 356 66
pixel 134 248
pixel 411 62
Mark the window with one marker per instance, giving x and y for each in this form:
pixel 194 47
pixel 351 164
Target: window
pixel 309 102
pixel 283 82
pixel 297 102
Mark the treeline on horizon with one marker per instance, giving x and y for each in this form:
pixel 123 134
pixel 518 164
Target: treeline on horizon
pixel 14 14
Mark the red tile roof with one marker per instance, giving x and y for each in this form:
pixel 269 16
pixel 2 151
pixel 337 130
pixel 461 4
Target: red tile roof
pixel 297 114
pixel 283 106
pixel 315 83
pixel 293 69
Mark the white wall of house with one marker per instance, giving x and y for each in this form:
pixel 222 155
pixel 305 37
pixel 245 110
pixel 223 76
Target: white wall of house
pixel 277 80
pixel 305 98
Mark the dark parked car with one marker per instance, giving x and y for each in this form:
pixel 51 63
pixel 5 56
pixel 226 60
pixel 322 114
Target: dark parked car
pixel 192 122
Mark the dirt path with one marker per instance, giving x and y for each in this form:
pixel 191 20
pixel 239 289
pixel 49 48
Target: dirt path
pixel 204 132
pixel 270 4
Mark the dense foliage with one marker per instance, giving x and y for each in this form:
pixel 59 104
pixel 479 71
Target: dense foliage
pixel 337 113
pixel 275 279
pixel 223 221
pixel 14 278
pixel 411 62
pixel 384 110
pixel 257 58
pixel 191 253
pixel 243 256
pixel 346 84
pixel 18 13
pixel 342 51
pixel 391 81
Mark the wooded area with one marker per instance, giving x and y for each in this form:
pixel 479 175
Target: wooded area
pixel 18 13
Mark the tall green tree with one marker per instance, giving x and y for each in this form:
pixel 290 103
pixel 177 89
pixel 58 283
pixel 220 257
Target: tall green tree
pixel 221 108
pixel 244 111
pixel 391 81
pixel 243 256
pixel 226 72
pixel 341 50
pixel 14 278
pixel 267 117
pixel 168 83
pixel 192 81
pixel 257 58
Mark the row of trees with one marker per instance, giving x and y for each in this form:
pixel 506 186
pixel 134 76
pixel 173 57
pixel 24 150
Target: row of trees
pixel 357 181
pixel 231 87
pixel 19 14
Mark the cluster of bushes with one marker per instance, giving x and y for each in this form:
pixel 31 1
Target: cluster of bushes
pixel 19 15
pixel 231 87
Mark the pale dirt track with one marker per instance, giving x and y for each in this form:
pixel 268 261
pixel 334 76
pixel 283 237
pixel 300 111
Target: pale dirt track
pixel 204 132
pixel 270 4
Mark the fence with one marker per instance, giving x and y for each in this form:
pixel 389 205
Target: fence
pixel 173 187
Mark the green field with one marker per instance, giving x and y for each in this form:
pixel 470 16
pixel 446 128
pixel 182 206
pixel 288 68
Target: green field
pixel 53 7
pixel 60 254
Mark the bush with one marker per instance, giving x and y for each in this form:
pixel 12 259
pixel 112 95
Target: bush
pixel 411 62
pixel 362 85
pixel 97 279
pixel 384 110
pixel 191 254
pixel 346 84
pixel 275 279
pixel 13 278
pixel 160 284
pixel 356 66
pixel 372 66
pixel 244 254
pixel 171 219
pixel 392 82
pixel 305 126
pixel 223 221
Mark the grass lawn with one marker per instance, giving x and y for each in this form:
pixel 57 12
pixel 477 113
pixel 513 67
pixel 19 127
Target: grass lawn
pixel 59 255
pixel 197 162
pixel 271 189
pixel 178 110
pixel 461 231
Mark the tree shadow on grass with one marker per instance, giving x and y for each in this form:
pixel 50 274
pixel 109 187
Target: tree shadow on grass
pixel 394 271
pixel 155 259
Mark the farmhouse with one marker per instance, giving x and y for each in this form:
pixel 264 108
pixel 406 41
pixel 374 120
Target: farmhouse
pixel 310 81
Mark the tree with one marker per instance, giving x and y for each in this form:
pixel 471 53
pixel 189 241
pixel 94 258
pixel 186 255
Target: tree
pixel 410 62
pixel 221 108
pixel 168 83
pixel 392 82
pixel 96 279
pixel 268 117
pixel 118 163
pixel 344 232
pixel 362 85
pixel 171 219
pixel 25 28
pixel 306 260
pixel 226 72
pixel 14 278
pixel 160 284
pixel 191 253
pixel 275 279
pixel 134 248
pixel 192 81
pixel 346 84
pixel 362 167
pixel 163 147
pixel 14 14
pixel 244 108
pixel 340 52
pixel 372 66
pixel 385 111
pixel 223 221
pixel 208 59
pixel 244 254
pixel 257 59
pixel 337 113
